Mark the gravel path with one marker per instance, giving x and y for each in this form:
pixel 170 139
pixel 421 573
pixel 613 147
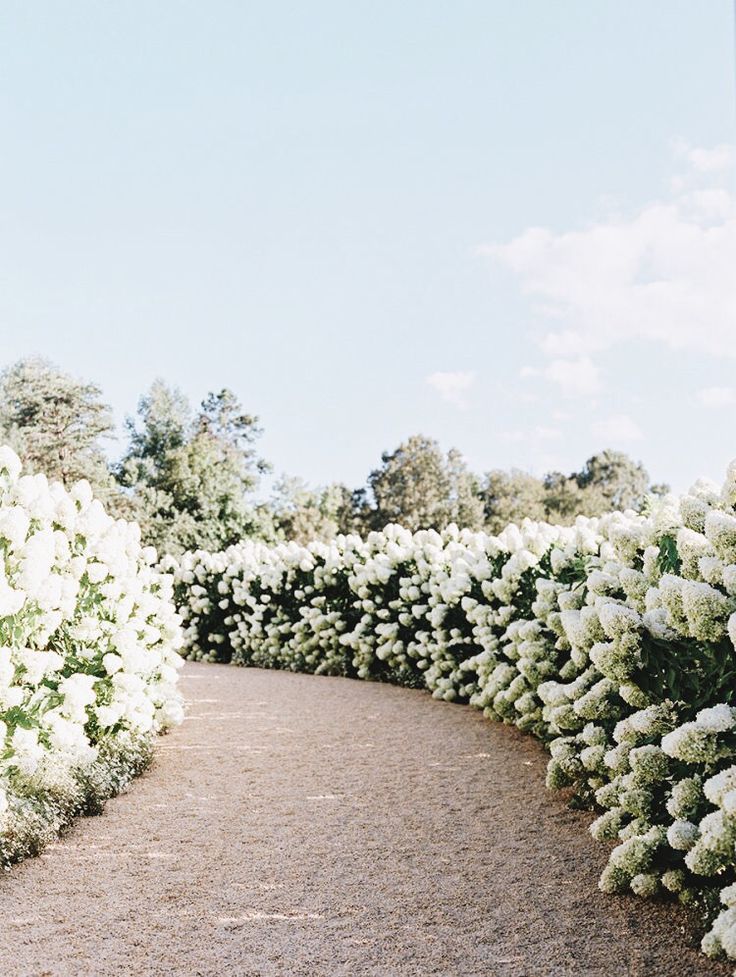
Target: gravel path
pixel 318 827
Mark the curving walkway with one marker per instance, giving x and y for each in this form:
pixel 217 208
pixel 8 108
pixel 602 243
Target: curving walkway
pixel 317 827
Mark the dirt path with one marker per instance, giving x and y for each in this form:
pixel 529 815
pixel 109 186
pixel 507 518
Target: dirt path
pixel 314 827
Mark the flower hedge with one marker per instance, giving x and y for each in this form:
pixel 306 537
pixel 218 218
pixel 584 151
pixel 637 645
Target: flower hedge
pixel 88 656
pixel 611 641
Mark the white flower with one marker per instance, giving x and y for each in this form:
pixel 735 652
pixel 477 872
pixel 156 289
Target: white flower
pixel 14 525
pixel 112 663
pixel 9 462
pixel 720 528
pixel 108 715
pixel 11 600
pixel 27 750
pixel 617 619
pixel 682 835
pixel 718 718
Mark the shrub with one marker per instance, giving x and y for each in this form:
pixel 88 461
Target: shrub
pixel 88 655
pixel 611 640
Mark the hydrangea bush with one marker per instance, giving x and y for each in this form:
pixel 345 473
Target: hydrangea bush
pixel 611 641
pixel 88 656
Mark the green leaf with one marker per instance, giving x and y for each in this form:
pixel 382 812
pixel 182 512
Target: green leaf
pixel 669 559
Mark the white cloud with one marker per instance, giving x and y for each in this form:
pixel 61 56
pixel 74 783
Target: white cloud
pixel 617 429
pixel 575 377
pixel 664 274
pixel 712 160
pixel 717 396
pixel 513 437
pixel 535 434
pixel 453 386
pixel 561 416
pixel 547 433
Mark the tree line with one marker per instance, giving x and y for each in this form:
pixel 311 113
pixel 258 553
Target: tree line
pixel 190 476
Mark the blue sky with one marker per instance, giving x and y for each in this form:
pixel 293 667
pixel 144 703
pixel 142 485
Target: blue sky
pixel 507 225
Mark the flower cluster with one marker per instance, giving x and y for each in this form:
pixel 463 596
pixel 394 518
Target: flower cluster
pixel 88 655
pixel 613 641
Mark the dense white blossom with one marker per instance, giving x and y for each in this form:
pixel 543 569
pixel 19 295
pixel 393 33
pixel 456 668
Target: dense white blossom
pixel 88 651
pixel 612 640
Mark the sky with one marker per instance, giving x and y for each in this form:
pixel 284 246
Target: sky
pixel 510 226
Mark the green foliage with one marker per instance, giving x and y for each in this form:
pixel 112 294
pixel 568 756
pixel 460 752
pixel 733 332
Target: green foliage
pixel 692 675
pixel 619 482
pixel 191 477
pixel 55 424
pixel 669 560
pixel 303 514
pixel 609 480
pixel 420 488
pixel 465 507
pixel 510 496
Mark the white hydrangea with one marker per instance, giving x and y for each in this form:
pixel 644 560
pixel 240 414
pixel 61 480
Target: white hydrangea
pixel 682 835
pixel 718 718
pixel 72 579
pixel 588 636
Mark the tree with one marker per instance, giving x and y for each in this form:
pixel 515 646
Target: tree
pixel 192 478
pixel 56 424
pixel 304 514
pixel 411 487
pixel 609 480
pixel 465 504
pixel 420 488
pixel 510 496
pixel 165 417
pixel 564 499
pixel 617 480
